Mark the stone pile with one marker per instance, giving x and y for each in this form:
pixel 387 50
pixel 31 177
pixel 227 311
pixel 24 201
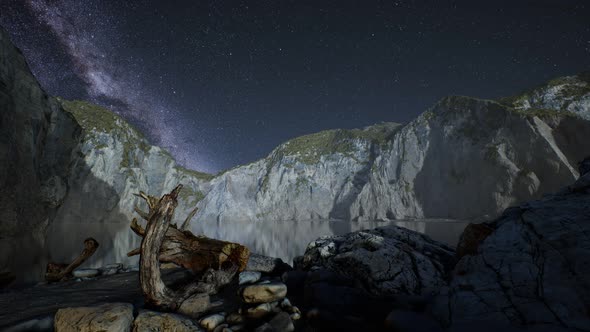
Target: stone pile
pixel 256 301
pixel 262 306
pixel 107 270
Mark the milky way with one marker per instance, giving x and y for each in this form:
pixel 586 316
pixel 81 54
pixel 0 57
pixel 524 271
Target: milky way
pixel 91 50
pixel 221 83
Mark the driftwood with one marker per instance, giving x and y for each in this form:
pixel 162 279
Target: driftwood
pixel 164 242
pixel 57 272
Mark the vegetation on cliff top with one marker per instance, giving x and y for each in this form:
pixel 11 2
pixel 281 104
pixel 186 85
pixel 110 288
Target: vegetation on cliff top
pixel 92 117
pixel 96 119
pixel 310 148
pixel 568 88
pixel 195 174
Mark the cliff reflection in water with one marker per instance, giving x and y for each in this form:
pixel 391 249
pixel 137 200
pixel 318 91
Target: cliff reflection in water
pixel 284 239
pixel 288 239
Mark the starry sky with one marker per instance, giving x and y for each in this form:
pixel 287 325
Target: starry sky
pixel 221 83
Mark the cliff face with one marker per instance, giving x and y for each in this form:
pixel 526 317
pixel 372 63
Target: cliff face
pixel 464 158
pixel 113 161
pixel 36 142
pixel 68 171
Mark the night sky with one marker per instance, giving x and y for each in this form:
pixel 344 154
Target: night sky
pixel 221 83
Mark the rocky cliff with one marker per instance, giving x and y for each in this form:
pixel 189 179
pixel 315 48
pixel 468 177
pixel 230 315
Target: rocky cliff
pixel 463 158
pixel 531 270
pixel 524 271
pixel 68 171
pixel 69 168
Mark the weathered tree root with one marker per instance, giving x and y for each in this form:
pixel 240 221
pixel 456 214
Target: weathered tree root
pixel 57 272
pixel 163 242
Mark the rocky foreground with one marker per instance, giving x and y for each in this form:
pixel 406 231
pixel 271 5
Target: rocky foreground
pixel 525 271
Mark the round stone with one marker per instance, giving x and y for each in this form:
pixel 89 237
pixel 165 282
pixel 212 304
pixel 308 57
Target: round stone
pixel 85 273
pixel 264 293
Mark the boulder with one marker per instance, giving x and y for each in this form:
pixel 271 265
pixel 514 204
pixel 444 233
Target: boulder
pixel 386 260
pixel 249 277
pixel 582 184
pixel 532 270
pixel 470 239
pixel 222 328
pixel 195 305
pixel 105 317
pixel 264 292
pixel 212 321
pixel 235 319
pixel 262 310
pixel 265 264
pixel 162 322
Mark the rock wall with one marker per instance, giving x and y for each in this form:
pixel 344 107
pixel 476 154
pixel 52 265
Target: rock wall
pixel 36 142
pixel 531 270
pixel 464 158
pixel 68 171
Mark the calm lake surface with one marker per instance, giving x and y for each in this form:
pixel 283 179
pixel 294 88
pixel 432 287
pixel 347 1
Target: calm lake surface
pixel 283 239
pixel 288 239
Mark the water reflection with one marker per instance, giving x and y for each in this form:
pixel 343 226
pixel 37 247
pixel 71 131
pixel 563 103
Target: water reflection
pixel 288 239
pixel 284 239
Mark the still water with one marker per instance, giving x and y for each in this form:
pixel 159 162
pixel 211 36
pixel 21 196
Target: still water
pixel 288 239
pixel 283 239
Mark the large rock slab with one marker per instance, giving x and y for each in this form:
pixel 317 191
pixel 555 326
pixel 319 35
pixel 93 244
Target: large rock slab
pixel 105 317
pixel 162 322
pixel 532 270
pixel 386 260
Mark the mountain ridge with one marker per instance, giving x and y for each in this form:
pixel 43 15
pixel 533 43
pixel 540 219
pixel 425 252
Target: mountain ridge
pixel 67 176
pixel 547 121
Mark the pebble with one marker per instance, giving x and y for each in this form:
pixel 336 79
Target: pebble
pixel 262 310
pixel 195 305
pixel 286 304
pixel 249 277
pixel 85 273
pixel 212 321
pixel 235 318
pixel 264 328
pixel 263 293
pixel 221 328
